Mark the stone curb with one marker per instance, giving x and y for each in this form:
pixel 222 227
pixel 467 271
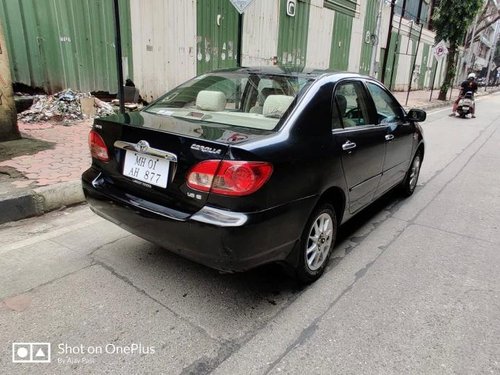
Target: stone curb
pixel 40 200
pixel 442 104
pixel 446 103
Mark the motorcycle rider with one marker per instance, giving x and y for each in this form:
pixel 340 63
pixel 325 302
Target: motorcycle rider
pixel 468 85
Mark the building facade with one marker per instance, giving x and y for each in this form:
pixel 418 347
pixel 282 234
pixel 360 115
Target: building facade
pixel 169 41
pixel 476 58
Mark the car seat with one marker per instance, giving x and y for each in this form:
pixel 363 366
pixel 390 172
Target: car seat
pixel 276 105
pixel 262 96
pixel 211 100
pixel 342 106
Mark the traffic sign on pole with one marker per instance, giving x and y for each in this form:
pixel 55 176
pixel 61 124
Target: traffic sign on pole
pixel 440 50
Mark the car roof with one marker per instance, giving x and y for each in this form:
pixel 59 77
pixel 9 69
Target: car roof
pixel 294 72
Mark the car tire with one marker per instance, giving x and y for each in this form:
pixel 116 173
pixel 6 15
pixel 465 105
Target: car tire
pixel 316 243
pixel 410 182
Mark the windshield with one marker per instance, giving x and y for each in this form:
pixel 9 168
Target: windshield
pixel 248 100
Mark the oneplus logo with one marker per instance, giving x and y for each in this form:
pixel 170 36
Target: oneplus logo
pixel 31 352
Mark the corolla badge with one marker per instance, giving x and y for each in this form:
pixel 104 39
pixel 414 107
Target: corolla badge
pixel 210 150
pixel 142 146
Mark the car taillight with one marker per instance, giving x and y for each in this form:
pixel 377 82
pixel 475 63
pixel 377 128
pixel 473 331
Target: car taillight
pixel 97 146
pixel 228 177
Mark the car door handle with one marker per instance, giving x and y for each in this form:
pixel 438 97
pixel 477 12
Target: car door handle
pixel 348 146
pixel 389 137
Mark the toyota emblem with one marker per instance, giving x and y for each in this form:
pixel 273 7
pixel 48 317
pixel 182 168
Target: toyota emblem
pixel 142 146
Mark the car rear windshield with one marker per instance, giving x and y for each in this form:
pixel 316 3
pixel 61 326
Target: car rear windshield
pixel 250 100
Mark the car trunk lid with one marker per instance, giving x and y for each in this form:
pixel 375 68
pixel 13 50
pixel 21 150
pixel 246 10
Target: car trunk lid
pixel 152 154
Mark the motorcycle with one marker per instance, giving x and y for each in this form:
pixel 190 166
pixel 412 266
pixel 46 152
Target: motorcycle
pixel 466 104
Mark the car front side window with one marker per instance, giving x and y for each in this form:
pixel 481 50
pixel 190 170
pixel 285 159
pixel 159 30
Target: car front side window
pixel 388 110
pixel 350 106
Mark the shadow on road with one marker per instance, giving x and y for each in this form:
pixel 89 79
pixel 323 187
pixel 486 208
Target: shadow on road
pixel 269 282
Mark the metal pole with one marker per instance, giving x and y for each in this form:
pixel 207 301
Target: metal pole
pixel 118 49
pixel 453 83
pixel 396 50
pixel 377 32
pixel 388 43
pixel 419 12
pixel 433 78
pixel 240 39
pixel 409 36
pixel 414 61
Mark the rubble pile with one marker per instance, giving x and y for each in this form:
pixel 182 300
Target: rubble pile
pixel 63 106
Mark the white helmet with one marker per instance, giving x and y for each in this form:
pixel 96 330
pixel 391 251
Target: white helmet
pixel 471 75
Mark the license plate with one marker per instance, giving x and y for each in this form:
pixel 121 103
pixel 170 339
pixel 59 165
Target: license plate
pixel 465 108
pixel 146 168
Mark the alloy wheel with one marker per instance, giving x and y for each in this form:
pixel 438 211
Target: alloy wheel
pixel 319 241
pixel 414 172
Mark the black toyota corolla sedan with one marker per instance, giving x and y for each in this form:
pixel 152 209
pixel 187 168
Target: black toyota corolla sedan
pixel 242 167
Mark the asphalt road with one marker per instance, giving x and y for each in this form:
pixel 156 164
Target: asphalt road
pixel 412 288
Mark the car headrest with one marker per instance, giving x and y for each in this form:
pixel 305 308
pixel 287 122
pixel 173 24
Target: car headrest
pixel 342 102
pixel 266 91
pixel 211 100
pixel 276 105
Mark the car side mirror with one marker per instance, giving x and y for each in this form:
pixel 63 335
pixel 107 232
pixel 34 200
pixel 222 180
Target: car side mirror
pixel 417 115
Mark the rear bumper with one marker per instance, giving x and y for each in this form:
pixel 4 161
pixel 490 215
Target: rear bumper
pixel 224 240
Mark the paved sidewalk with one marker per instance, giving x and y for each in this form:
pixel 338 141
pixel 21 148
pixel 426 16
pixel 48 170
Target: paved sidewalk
pixel 420 98
pixel 41 172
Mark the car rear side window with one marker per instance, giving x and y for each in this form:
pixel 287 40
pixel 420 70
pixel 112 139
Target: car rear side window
pixel 388 110
pixel 350 105
pixel 244 99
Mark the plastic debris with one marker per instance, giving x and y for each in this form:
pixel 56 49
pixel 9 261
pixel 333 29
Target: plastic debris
pixel 63 106
pixel 103 108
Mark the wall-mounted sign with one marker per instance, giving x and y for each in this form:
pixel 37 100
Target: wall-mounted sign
pixel 240 5
pixel 291 6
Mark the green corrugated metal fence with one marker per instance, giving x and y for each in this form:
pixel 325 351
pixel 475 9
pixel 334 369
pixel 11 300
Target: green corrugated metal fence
pixel 293 32
pixel 217 25
pixel 368 30
pixel 58 44
pixel 391 67
pixel 341 41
